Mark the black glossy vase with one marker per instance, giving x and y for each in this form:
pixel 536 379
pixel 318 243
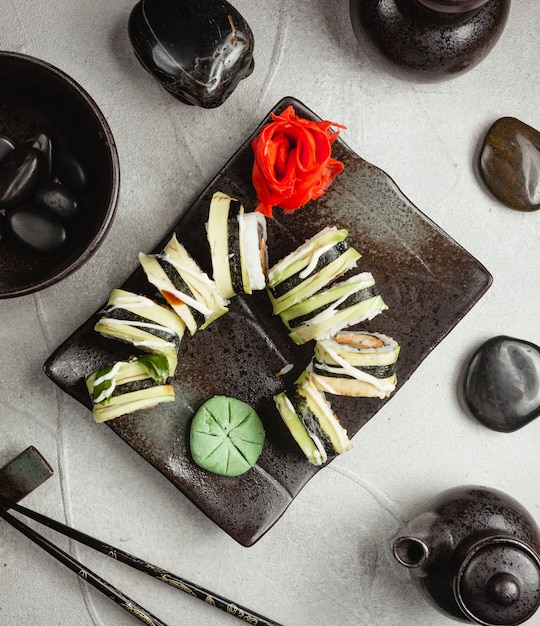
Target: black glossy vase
pixel 428 40
pixel 198 50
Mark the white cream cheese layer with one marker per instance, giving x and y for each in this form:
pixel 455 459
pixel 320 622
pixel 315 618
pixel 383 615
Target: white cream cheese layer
pixel 317 254
pixel 253 239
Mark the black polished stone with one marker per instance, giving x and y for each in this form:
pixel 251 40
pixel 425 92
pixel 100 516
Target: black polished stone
pixel 58 199
pixel 41 142
pixel 502 383
pixel 6 146
pixel 198 50
pixel 510 163
pixel 39 231
pixel 20 172
pixel 69 169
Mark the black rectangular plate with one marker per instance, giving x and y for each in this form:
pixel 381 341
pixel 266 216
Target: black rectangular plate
pixel 428 281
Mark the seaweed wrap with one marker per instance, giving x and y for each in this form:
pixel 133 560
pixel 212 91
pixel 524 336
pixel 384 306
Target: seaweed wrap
pixel 311 421
pixel 127 386
pixel 238 248
pixel 312 266
pixel 141 322
pixel 341 305
pixel 356 363
pixel 189 291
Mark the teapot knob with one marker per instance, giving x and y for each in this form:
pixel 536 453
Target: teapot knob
pixel 504 588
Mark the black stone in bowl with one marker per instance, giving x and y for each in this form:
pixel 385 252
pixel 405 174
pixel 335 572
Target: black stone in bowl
pixel 198 50
pixel 37 98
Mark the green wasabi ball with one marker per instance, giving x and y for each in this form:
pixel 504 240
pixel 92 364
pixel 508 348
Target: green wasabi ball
pixel 226 436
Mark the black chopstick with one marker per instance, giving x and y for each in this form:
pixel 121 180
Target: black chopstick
pixel 186 586
pixel 96 581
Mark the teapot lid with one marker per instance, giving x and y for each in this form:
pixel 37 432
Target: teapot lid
pixel 498 582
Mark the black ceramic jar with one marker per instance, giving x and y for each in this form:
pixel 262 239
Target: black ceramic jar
pixel 428 40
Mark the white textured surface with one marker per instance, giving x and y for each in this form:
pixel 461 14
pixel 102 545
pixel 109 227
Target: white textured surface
pixel 327 561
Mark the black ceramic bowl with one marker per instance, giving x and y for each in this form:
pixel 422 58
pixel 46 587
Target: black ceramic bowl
pixel 38 97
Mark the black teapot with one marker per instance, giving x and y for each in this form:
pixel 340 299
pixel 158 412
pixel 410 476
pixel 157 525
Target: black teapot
pixel 474 554
pixel 429 40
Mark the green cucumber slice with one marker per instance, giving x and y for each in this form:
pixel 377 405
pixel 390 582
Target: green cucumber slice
pixel 298 430
pixel 317 403
pixel 127 386
pixel 133 401
pixel 302 256
pixel 217 231
pixel 141 322
pixel 184 285
pixel 315 282
pixel 325 325
pixel 339 295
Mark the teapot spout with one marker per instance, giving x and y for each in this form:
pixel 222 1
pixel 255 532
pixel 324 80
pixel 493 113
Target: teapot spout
pixel 411 552
pixel 425 542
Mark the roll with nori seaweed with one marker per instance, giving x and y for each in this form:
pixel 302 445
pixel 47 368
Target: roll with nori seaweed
pixel 127 386
pixel 311 421
pixel 356 363
pixel 341 305
pixel 312 266
pixel 187 289
pixel 141 322
pixel 237 246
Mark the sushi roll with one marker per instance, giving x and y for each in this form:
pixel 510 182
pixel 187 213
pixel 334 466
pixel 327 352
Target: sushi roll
pixel 356 363
pixel 312 266
pixel 343 304
pixel 127 386
pixel 141 322
pixel 189 291
pixel 238 249
pixel 309 417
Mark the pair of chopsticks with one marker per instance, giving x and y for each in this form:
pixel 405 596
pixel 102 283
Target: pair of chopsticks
pixel 139 564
